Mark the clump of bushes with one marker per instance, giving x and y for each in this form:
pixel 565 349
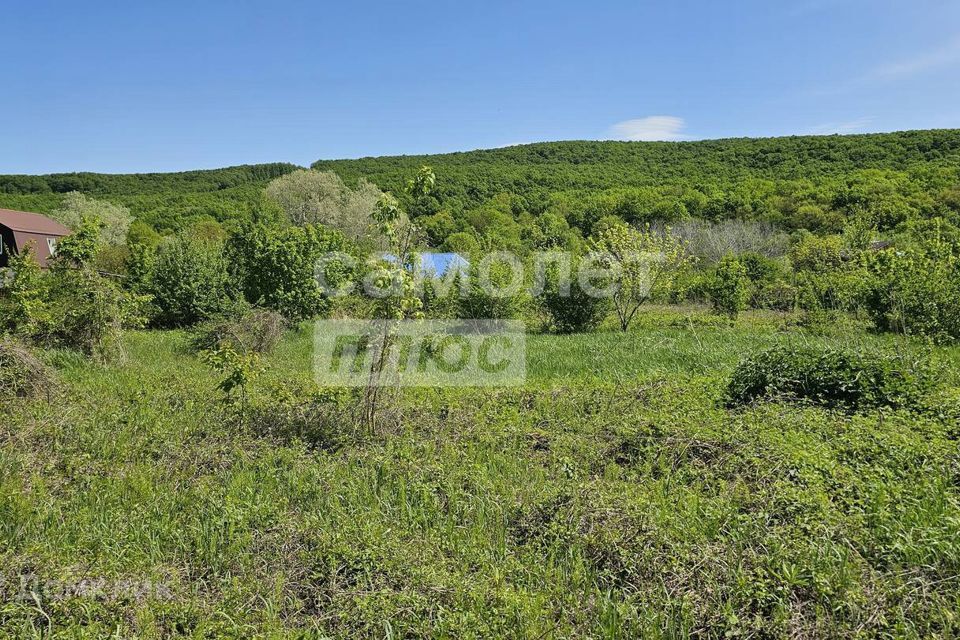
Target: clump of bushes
pixel 496 297
pixel 573 309
pixel 70 305
pixel 275 268
pixel 730 288
pixel 187 279
pixel 439 299
pixel 916 292
pixel 776 296
pixel 251 330
pixel 829 377
pixel 22 374
pixel 88 312
pixel 829 275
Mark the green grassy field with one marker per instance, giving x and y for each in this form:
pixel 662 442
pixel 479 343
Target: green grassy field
pixel 611 496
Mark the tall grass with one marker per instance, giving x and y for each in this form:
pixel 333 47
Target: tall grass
pixel 612 496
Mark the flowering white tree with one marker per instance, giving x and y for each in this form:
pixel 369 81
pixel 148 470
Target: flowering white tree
pixel 115 218
pixel 321 197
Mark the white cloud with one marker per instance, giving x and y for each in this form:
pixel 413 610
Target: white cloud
pixel 943 56
pixel 850 126
pixel 650 128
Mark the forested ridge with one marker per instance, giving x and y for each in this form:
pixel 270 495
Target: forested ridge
pixel 605 164
pixel 132 184
pixel 797 182
pixel 167 201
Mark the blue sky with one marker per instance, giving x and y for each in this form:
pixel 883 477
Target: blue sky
pixel 135 86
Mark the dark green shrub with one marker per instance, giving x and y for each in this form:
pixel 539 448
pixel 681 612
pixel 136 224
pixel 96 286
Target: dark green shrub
pixel 189 283
pixel 916 292
pixel 817 254
pixel 761 270
pixel 730 289
pixel 496 298
pixel 776 296
pixel 275 268
pixel 441 299
pixel 829 377
pixel 828 276
pixel 691 285
pixel 769 280
pixel 571 308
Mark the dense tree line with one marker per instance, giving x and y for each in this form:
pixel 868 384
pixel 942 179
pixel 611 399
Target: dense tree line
pixel 166 201
pixel 554 194
pixel 135 184
pixel 536 170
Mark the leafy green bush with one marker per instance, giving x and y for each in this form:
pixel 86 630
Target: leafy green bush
pixel 760 269
pixel 730 289
pixel 916 292
pixel 440 299
pixel 817 254
pixel 769 279
pixel 829 276
pixel 571 308
pixel 89 312
pixel 69 305
pixel 496 299
pixel 275 268
pixel 776 296
pixel 23 308
pixel 188 280
pixel 239 370
pixel 690 285
pixel 829 377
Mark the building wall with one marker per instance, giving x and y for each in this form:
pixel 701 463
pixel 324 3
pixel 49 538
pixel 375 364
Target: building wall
pixel 8 245
pixel 41 247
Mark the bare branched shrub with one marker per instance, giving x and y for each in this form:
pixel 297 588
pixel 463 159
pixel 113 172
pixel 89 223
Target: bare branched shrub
pixel 256 331
pixel 317 417
pixel 22 374
pixel 710 241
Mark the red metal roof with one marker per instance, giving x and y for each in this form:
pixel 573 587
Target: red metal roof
pixel 31 223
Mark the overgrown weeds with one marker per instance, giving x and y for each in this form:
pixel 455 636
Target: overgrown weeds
pixel 22 374
pixel 254 330
pixel 321 418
